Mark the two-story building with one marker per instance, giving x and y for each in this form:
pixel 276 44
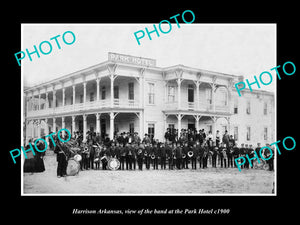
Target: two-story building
pixel 128 93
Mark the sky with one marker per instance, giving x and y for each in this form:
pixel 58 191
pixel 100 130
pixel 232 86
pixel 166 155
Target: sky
pixel 237 49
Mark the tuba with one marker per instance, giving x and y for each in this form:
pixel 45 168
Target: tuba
pixel 152 156
pixel 190 154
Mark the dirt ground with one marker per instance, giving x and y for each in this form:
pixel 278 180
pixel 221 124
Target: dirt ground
pixel 163 182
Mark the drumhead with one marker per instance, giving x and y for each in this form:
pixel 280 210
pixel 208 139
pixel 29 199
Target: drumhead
pixel 73 167
pixel 113 164
pixel 78 157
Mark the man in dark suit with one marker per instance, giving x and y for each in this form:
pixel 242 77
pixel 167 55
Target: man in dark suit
pixel 236 153
pixel 195 150
pixel 147 155
pixel 140 155
pixel 178 152
pixel 185 150
pixel 162 155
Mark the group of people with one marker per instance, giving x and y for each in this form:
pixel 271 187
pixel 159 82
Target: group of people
pixel 190 150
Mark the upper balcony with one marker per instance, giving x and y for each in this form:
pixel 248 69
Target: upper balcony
pixel 85 107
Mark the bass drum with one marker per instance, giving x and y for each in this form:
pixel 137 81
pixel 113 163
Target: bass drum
pixel 73 167
pixel 113 164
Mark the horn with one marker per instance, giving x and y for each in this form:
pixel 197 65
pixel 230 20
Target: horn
pixel 183 156
pixel 190 154
pixel 152 156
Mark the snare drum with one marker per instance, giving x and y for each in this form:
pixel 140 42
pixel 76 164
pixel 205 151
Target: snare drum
pixel 77 157
pixel 73 167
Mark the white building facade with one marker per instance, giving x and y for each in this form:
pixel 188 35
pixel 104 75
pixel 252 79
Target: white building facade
pixel 128 93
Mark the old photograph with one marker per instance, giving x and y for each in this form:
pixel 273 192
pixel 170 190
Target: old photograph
pixel 162 117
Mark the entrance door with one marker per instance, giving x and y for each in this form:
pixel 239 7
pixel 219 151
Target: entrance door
pixel 103 127
pixel 191 126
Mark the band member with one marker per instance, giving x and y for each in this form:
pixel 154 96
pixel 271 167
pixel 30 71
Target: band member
pixel 178 153
pixel 85 156
pixel 122 156
pixel 140 156
pixel 104 156
pixel 162 155
pixel 205 155
pixel 155 154
pixel 129 155
pixel 92 155
pixel 246 165
pixel 185 151
pixel 61 158
pixel 251 154
pixel 257 150
pixel 270 161
pixel 218 138
pixel 221 155
pixel 214 156
pixel 147 155
pixel 229 152
pixel 236 152
pixel 195 151
pixel 242 154
pixel 134 153
pixel 170 155
pixel 97 158
pixel 201 153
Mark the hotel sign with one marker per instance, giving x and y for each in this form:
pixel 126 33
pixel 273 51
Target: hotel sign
pixel 131 59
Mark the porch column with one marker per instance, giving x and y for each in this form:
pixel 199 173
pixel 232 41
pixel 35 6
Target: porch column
pixel 74 94
pixel 54 98
pixel 63 97
pixel 84 127
pixel 39 128
pixel 63 125
pixel 112 91
pixel 197 118
pixel 32 130
pixel 197 83
pixel 54 124
pixel 111 128
pixel 141 120
pixel 179 92
pixel 73 124
pixel 84 92
pixel 47 101
pixel 213 89
pixel 98 88
pixel 179 117
pixel 47 130
pixel 98 122
pixel 214 131
pixel 39 106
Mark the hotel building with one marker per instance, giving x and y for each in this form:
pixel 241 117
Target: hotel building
pixel 128 93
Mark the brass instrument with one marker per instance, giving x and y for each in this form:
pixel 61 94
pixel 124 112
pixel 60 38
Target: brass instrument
pixel 190 154
pixel 152 156
pixel 183 155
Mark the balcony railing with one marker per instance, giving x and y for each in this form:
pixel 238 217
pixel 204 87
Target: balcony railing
pixel 192 106
pixel 117 103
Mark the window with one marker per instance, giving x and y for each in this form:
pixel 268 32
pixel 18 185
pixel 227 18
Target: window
pixel 151 130
pixel 209 95
pixel 151 93
pixel 116 92
pixel 171 94
pixel 131 128
pixel 265 108
pixel 131 91
pixel 248 107
pixel 248 133
pixel 265 133
pixel 103 92
pixel 190 93
pixel 91 96
pixel 235 106
pixel 236 133
pixel 81 98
